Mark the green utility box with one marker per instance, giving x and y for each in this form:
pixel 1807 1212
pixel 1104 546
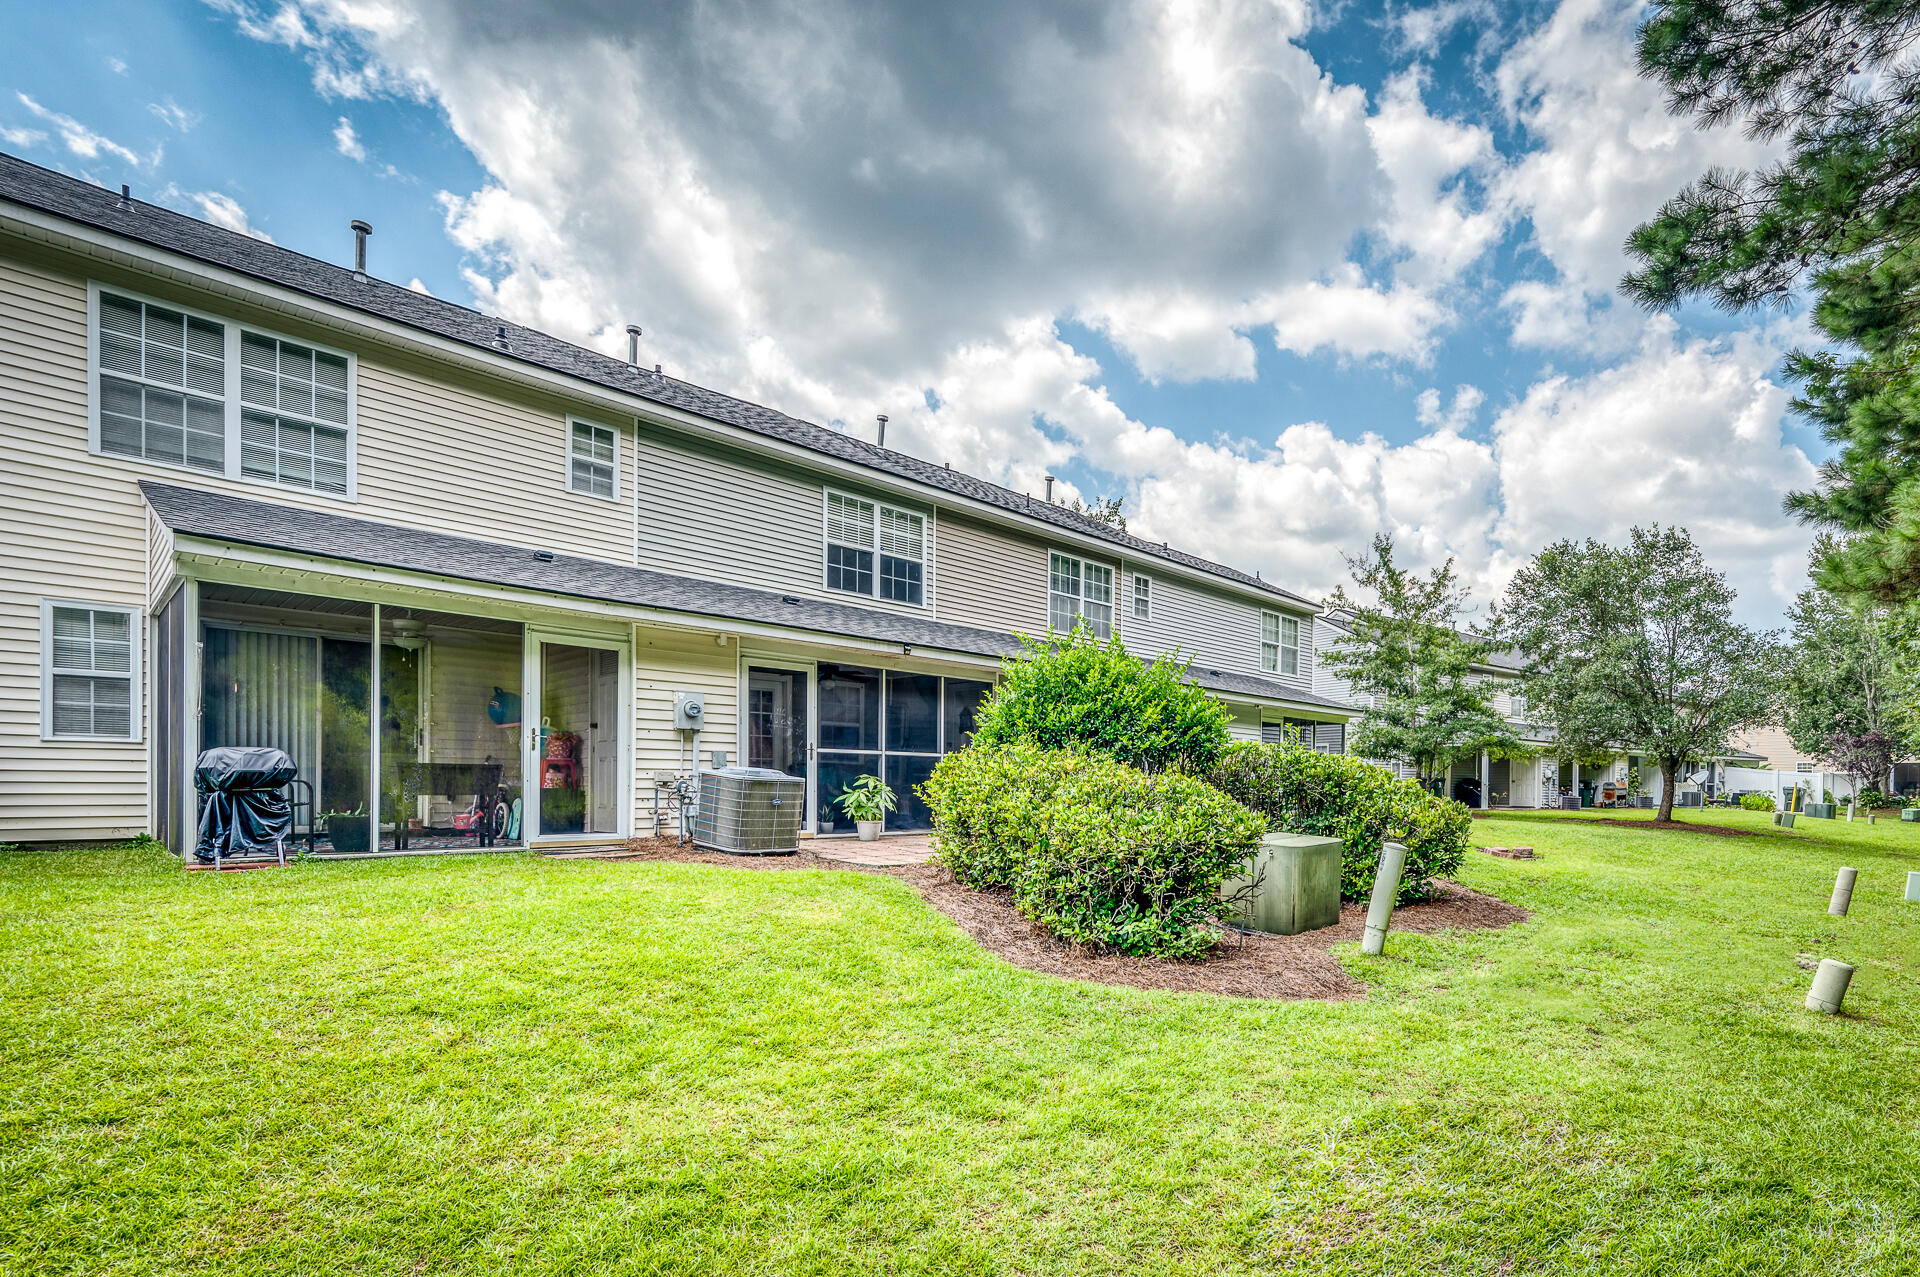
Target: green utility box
pixel 1910 813
pixel 1298 877
pixel 1821 811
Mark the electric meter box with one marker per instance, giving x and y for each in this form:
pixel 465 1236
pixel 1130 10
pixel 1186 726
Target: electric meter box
pixel 688 709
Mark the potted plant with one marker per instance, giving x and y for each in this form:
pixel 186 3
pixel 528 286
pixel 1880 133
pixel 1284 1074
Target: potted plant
pixel 347 830
pixel 866 803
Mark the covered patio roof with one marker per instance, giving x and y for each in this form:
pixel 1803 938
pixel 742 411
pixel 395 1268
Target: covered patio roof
pixel 239 521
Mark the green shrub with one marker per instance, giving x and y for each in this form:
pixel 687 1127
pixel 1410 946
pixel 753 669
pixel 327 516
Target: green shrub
pixel 1871 797
pixel 1096 852
pixel 1075 692
pixel 1304 792
pixel 1756 802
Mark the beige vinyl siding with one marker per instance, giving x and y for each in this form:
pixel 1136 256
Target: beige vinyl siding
pixel 1246 722
pixel 65 532
pixel 160 566
pixel 720 514
pixel 991 579
pixel 669 661
pixel 1216 630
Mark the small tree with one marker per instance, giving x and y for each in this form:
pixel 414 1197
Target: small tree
pixel 1075 692
pixel 1406 649
pixel 1636 646
pixel 1868 754
pixel 1107 510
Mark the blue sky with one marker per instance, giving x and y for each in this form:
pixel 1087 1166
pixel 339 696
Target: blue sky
pixel 1281 275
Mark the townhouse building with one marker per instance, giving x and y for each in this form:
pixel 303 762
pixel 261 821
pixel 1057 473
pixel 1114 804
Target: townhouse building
pixel 248 497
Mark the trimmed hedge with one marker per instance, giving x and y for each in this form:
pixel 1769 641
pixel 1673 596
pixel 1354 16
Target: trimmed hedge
pixel 1072 691
pixel 1340 796
pixel 1098 853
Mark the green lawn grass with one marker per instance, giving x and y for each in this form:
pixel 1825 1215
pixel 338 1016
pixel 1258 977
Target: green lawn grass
pixel 506 1063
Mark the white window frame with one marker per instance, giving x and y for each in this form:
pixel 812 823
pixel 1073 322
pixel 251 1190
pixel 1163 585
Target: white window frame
pixel 1278 644
pixel 136 681
pixel 574 423
pixel 1079 597
pixel 229 398
pixel 880 510
pixel 1142 593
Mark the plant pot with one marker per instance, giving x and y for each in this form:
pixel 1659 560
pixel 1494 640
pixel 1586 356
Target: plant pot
pixel 869 829
pixel 348 835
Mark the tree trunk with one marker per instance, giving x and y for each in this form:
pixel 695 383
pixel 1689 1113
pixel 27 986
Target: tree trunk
pixel 1669 773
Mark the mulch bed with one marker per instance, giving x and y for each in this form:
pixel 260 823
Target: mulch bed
pixel 1251 966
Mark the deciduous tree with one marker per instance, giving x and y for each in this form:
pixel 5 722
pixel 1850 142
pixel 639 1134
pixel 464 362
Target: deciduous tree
pixel 1405 647
pixel 1635 647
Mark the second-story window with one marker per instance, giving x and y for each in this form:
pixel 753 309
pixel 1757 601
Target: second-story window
pixel 191 390
pixel 592 459
pixel 293 414
pixel 1516 700
pixel 1142 599
pixel 162 381
pixel 1078 589
pixel 1279 643
pixel 875 550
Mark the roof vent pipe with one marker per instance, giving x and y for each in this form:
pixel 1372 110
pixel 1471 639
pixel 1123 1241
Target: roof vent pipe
pixel 126 195
pixel 881 440
pixel 633 343
pixel 1049 489
pixel 360 232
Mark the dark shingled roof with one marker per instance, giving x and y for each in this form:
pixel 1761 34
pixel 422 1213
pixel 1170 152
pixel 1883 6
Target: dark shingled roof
pixel 216 516
pixel 50 192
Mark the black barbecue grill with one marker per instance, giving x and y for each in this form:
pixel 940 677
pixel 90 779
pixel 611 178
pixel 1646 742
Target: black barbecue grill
pixel 248 796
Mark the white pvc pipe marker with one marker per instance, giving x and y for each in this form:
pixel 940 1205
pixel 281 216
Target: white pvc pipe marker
pixel 1829 986
pixel 1842 892
pixel 1913 885
pixel 1386 885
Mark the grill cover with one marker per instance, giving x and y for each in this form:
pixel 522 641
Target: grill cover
pixel 753 810
pixel 242 808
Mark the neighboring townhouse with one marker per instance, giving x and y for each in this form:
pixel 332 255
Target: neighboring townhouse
pixel 1540 776
pixel 252 498
pixel 1777 752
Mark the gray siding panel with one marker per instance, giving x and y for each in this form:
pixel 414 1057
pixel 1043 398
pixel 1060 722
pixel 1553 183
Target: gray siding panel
pixel 705 511
pixel 1216 630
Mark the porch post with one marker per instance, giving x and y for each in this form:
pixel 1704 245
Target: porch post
pixel 373 730
pixel 188 729
pixel 1576 783
pixel 1486 782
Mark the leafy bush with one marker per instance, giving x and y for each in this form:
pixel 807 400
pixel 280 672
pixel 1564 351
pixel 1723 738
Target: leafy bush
pixel 1756 802
pixel 1096 852
pixel 1872 797
pixel 1362 805
pixel 1075 692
